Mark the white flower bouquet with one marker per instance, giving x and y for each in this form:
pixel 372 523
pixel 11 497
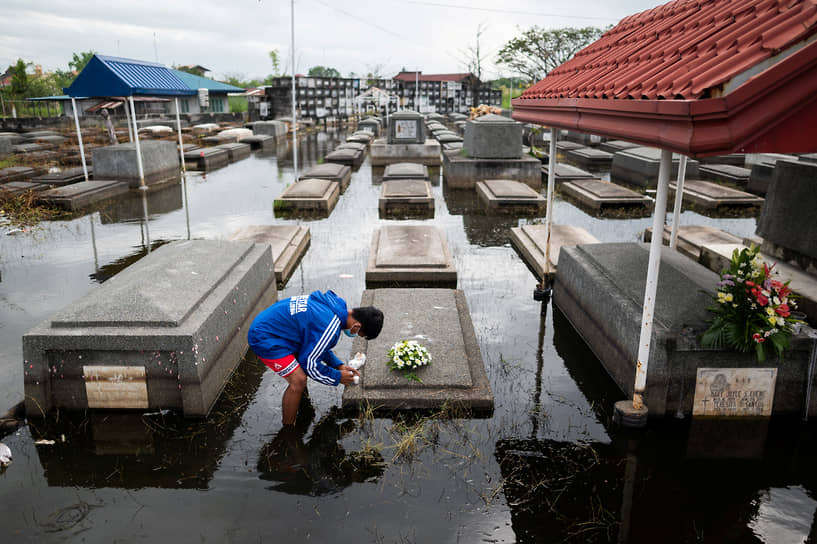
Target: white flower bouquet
pixel 408 355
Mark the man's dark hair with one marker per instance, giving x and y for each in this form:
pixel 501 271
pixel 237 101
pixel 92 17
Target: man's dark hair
pixel 371 321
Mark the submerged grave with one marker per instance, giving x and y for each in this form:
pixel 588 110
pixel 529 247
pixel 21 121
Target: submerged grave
pixel 531 242
pixel 410 256
pixel 709 195
pixel 639 166
pixel 311 196
pixel 405 142
pixel 236 151
pixel 287 242
pixel 165 333
pixel 206 159
pixel 339 173
pixel 405 170
pixel 160 161
pixel 348 156
pixel 440 320
pixel 509 196
pixel 80 195
pixel 597 194
pixel 728 173
pixel 406 198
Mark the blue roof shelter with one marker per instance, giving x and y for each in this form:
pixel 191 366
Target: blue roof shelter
pixel 198 82
pixel 114 76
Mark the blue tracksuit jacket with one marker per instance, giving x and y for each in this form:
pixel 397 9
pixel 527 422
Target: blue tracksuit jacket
pixel 307 327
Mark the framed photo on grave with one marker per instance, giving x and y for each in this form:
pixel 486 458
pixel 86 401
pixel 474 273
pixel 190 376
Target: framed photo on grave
pixel 405 129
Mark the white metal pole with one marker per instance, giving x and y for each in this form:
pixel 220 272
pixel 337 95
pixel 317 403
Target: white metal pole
pixel 551 184
pixel 79 138
pixel 127 120
pixel 679 196
pixel 417 90
pixel 294 118
pixel 142 185
pixel 179 130
pixel 651 287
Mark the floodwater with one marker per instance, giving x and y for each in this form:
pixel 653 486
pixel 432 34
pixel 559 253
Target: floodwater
pixel 546 466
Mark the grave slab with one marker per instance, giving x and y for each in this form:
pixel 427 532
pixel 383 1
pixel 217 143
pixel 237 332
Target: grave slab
pixel 566 172
pixel 406 198
pixel 31 148
pixel 353 145
pixel 461 172
pixel 340 173
pixel 260 141
pixel 165 333
pixel 410 256
pixel 207 158
pixel 18 173
pixel 371 124
pixel 598 194
pixel 493 137
pixel 710 195
pixel 18 187
pixel 531 240
pixel 406 127
pixel 236 151
pixel 589 157
pixel 287 242
pixel 84 193
pixel 639 166
pixel 160 161
pixel 692 238
pixel 276 129
pixel 612 146
pixel 510 196
pixel 350 157
pixel 600 290
pixel 441 321
pixel 6 146
pixel 311 196
pixel 452 146
pixel 383 153
pixel 732 159
pixel 64 177
pixel 449 139
pixel 563 146
pixel 727 173
pixel 405 170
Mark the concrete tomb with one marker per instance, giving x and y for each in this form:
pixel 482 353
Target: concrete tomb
pixel 441 321
pixel 406 127
pixel 531 241
pixel 260 141
pixel 509 196
pixel 309 195
pixel 276 129
pixel 64 177
pixel 588 157
pixel 6 146
pixel 236 151
pixel 709 195
pixel 727 173
pixel 340 173
pixel 639 166
pixel 449 138
pixel 18 173
pixel 601 291
pixel 583 137
pixel 160 162
pixel 692 239
pixel 165 333
pixel 80 195
pixel 410 256
pixel 405 142
pixel 493 137
pixel 287 242
pixel 613 146
pixel 207 158
pixel 406 198
pixel 405 170
pixel 371 124
pixel 597 194
pixel 19 187
pixel 350 157
pixel 732 159
pixel 31 148
pixel 234 134
pixel 566 172
pixel 205 129
pixel 563 146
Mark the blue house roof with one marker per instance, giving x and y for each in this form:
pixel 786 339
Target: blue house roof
pixel 113 76
pixel 197 82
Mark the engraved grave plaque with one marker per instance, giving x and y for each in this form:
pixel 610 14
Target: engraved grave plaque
pixel 734 392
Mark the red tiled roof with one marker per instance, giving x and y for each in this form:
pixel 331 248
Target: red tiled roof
pixel 680 72
pixel 411 76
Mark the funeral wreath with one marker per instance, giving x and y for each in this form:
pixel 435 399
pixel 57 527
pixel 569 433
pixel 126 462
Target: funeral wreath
pixel 752 308
pixel 407 356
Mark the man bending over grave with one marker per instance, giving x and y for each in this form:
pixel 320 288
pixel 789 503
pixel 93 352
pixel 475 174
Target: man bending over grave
pixel 294 337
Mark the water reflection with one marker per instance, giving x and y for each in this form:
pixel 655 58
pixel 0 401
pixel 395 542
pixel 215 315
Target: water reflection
pixel 481 228
pixel 130 208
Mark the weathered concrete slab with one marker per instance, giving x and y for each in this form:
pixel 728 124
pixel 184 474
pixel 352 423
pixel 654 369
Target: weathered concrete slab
pixel 441 321
pixel 341 173
pixel 639 166
pixel 83 194
pixel 583 138
pixel 448 138
pixel 287 242
pixel 6 146
pixel 562 146
pixel 406 198
pixel 510 196
pixel 383 153
pixel 463 172
pixel 311 195
pixel 18 187
pixel 406 127
pixel 260 141
pixel 598 194
pixel 19 173
pixel 410 256
pixel 165 333
pixel 566 172
pixel 531 240
pixel 354 145
pixel 371 124
pixel 29 148
pixel 53 139
pixel 493 137
pixel 207 158
pixel 276 129
pixel 350 157
pixel 726 173
pixel 452 146
pixel 588 157
pixel 64 177
pixel 693 238
pixel 405 170
pixel 160 161
pixel 612 146
pixel 36 134
pixel 236 151
pixel 600 290
pixel 710 195
pixel 732 159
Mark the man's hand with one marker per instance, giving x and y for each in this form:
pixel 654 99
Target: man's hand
pixel 347 374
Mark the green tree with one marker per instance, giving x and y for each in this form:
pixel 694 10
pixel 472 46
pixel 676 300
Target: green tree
pixel 323 71
pixel 79 60
pixel 538 51
pixel 188 70
pixel 18 87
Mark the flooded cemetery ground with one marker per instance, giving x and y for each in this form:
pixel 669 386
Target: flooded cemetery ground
pixel 545 466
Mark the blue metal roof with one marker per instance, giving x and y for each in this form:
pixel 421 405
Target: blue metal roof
pixel 197 82
pixel 114 76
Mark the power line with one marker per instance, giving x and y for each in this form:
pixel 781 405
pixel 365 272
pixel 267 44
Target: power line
pixel 508 11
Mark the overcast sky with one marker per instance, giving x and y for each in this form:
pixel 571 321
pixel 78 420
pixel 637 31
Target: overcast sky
pixel 233 37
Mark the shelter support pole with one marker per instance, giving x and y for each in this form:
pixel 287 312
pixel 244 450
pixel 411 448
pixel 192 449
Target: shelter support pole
pixel 142 186
pixel 294 98
pixel 551 183
pixel 127 120
pixel 679 197
pixel 651 288
pixel 179 130
pixel 79 138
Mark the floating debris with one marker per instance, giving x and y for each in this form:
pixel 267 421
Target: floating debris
pixel 5 455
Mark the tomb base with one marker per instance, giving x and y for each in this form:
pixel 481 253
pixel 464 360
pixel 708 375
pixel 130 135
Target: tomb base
pixel 463 172
pixel 382 153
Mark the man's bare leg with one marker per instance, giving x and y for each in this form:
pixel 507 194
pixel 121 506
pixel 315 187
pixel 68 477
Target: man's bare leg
pixel 292 396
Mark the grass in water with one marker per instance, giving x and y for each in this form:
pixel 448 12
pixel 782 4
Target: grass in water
pixel 22 210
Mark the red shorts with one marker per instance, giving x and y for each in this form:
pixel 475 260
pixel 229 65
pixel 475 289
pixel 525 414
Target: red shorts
pixel 284 366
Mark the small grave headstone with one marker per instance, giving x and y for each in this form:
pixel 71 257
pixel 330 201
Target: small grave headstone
pixel 493 137
pixel 406 127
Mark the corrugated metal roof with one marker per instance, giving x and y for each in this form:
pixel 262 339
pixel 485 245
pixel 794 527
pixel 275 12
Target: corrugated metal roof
pixel 198 82
pixel 686 49
pixel 114 76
